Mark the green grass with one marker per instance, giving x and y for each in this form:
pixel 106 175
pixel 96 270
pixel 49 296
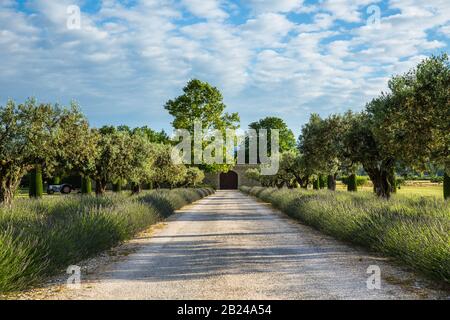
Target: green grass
pixel 39 238
pixel 414 230
pixel 424 190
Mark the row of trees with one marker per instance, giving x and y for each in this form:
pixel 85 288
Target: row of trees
pixel 55 141
pixel 406 127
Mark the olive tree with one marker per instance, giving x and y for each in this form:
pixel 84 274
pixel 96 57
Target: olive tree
pixel 76 146
pixel 194 176
pixel 292 172
pixel 141 162
pixel 320 145
pixel 412 120
pixel 113 160
pixel 361 145
pixel 166 172
pixel 30 137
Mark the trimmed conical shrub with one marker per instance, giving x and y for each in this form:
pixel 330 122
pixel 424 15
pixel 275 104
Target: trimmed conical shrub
pixel 86 185
pixel 117 187
pixel 446 186
pixel 316 184
pixel 352 184
pixel 323 181
pixel 36 184
pixel 394 186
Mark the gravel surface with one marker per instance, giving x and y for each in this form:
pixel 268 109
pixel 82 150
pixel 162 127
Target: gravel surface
pixel 231 246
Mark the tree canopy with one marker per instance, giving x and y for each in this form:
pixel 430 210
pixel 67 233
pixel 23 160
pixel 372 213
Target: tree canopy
pixel 201 101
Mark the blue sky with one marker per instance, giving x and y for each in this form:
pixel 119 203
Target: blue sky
pixel 284 58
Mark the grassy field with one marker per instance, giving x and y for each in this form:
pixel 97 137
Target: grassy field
pixel 39 238
pixel 425 190
pixel 413 229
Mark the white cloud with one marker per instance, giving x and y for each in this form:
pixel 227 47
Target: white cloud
pixel 346 10
pixel 267 29
pixel 262 6
pixel 210 9
pixel 126 61
pixel 445 30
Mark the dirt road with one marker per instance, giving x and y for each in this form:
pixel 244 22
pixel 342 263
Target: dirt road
pixel 230 246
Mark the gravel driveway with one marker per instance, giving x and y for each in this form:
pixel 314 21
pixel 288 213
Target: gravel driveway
pixel 230 246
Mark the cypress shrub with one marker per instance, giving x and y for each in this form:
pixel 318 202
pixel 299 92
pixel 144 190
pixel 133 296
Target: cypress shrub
pixel 394 184
pixel 316 184
pixel 323 181
pixel 36 184
pixel 446 186
pixel 117 187
pixel 352 184
pixel 86 185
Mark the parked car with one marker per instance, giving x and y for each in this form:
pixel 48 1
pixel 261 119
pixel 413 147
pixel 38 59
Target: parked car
pixel 62 188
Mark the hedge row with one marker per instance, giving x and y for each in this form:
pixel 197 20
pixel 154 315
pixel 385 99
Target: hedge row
pixel 415 231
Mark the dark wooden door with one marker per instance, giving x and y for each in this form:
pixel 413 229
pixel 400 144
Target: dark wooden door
pixel 229 181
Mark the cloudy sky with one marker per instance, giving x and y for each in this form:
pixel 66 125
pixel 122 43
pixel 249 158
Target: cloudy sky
pixel 284 58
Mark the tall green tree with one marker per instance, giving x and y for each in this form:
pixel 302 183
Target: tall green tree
pixel 287 139
pixel 202 102
pixel 152 135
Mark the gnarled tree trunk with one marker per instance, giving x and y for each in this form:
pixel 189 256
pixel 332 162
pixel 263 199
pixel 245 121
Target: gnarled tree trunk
pixel 380 181
pixel 100 187
pixel 135 188
pixel 8 186
pixel 381 176
pixel 6 196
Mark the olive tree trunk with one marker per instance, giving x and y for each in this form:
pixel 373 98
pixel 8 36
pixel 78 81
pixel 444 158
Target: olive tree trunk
pixel 100 187
pixel 7 190
pixel 381 184
pixel 331 182
pixel 135 188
